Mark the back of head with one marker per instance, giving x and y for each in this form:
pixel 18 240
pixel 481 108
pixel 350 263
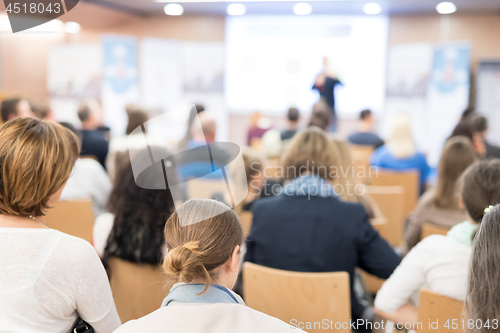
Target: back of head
pixel 483 299
pixel 400 141
pixel 208 129
pixel 365 114
pixel 480 124
pixel 481 187
pixel 9 108
pixel 253 163
pixel 196 250
pixel 136 117
pixel 458 154
pixel 36 159
pixel 344 174
pixel 311 151
pixel 84 112
pixel 320 115
pixel 463 129
pixel 293 115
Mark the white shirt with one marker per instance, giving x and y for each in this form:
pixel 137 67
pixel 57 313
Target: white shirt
pixel 88 180
pixel 102 228
pixel 47 279
pixel 438 261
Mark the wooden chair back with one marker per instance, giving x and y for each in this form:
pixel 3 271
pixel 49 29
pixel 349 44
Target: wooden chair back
pixel 361 161
pixel 431 229
pixel 246 222
pixel 373 283
pixel 206 188
pixel 304 297
pixel 409 180
pixel 434 307
pixel 390 201
pixel 138 289
pixel 72 217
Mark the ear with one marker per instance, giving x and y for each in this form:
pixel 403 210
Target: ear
pixel 233 264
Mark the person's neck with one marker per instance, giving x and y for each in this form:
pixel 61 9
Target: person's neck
pixel 11 221
pixel 292 125
pixel 88 127
pixel 365 127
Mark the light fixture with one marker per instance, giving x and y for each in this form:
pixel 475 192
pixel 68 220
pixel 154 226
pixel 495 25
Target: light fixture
pixel 173 9
pixel 372 8
pixel 302 8
pixel 236 9
pixel 446 8
pixel 72 27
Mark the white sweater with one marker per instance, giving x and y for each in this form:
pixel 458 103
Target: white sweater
pixel 438 261
pixel 47 279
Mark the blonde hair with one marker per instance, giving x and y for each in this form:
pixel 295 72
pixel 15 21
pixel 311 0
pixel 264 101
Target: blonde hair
pixel 195 250
pixel 310 150
pixel 36 159
pixel 400 142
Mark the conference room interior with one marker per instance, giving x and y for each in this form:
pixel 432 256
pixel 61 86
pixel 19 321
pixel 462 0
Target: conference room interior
pixel 199 165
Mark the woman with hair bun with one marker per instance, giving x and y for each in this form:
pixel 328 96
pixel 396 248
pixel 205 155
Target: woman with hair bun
pixel 203 239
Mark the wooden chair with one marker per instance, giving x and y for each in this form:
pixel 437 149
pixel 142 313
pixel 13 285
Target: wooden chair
pixel 72 217
pixel 441 308
pixel 431 229
pixel 409 180
pixel 373 283
pixel 361 161
pixel 304 297
pixel 206 188
pixel 246 222
pixel 138 289
pixel 390 200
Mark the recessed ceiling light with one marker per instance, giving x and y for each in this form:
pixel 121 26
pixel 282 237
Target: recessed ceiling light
pixel 72 27
pixel 302 8
pixel 372 8
pixel 446 8
pixel 173 9
pixel 236 9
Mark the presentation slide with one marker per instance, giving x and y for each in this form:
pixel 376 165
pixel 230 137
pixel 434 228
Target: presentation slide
pixel 272 62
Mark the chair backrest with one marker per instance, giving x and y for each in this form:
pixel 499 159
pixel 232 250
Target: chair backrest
pixel 434 307
pixel 409 180
pixel 431 229
pixel 361 161
pixel 138 289
pixel 72 217
pixel 246 222
pixel 390 200
pixel 206 188
pixel 304 297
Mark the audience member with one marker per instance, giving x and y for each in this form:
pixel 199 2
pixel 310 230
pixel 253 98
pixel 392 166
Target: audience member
pixel 120 147
pixel 441 262
pixel 14 108
pixel 94 142
pixel 399 152
pixel 131 229
pixel 309 229
pixel 345 180
pixel 320 116
pixel 483 300
pixel 293 117
pixel 49 279
pixel 325 84
pixel 259 125
pixel 203 261
pixel 195 111
pixel 480 125
pixel 439 206
pixel 41 110
pixel 364 135
pixel 87 180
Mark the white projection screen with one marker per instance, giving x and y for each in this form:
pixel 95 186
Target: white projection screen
pixel 272 61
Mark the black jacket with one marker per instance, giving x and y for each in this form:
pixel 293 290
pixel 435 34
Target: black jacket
pixel 314 234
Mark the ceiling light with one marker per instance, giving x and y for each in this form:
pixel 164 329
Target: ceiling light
pixel 236 9
pixel 302 8
pixel 173 9
pixel 446 8
pixel 72 27
pixel 372 8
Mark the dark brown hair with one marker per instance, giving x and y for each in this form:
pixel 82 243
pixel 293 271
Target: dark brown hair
pixel 196 249
pixel 458 154
pixel 136 117
pixel 36 159
pixel 9 107
pixel 481 187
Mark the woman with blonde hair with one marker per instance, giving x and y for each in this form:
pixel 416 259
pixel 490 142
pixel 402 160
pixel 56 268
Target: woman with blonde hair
pixel 400 153
pixel 346 181
pixel 307 228
pixel 203 239
pixel 440 206
pixel 49 280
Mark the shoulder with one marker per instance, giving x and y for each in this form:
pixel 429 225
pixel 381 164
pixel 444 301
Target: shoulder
pixel 90 165
pixel 72 250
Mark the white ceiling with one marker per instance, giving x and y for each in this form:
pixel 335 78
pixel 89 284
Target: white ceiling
pixel 391 7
